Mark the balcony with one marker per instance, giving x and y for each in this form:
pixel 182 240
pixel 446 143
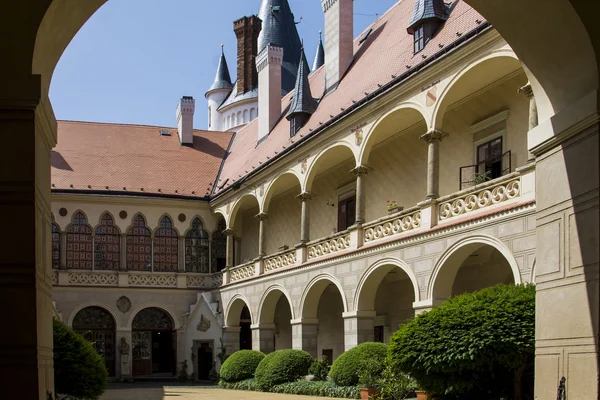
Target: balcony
pixel 479 200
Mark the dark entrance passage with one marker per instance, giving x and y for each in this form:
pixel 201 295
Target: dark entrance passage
pixel 98 326
pixel 205 361
pixel 154 343
pixel 245 331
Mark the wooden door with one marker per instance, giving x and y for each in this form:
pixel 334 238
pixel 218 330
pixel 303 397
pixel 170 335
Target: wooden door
pixel 142 353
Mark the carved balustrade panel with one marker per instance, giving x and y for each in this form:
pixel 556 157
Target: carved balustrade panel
pixel 480 198
pixel 279 261
pixel 153 280
pixel 393 226
pixel 242 272
pixel 93 279
pixel 329 246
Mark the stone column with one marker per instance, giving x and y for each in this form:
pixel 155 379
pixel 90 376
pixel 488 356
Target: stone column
pixel 63 250
pixel 262 219
pixel 433 139
pixel 181 254
pixel 361 172
pixel 359 327
pixel 263 338
pixel 305 335
pixel 305 221
pixel 533 113
pixel 123 261
pixel 231 338
pixel 27 132
pixel 230 262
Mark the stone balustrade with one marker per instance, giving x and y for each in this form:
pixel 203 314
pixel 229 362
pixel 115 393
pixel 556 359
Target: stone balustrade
pixel 405 221
pixel 329 245
pixel 136 279
pixel 242 272
pixel 287 258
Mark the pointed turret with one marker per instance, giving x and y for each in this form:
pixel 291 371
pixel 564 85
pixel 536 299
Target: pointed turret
pixel 320 56
pixel 218 92
pixel 303 103
pixel 279 30
pixel 222 78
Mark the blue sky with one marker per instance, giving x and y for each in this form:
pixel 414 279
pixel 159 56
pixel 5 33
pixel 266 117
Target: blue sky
pixel 134 59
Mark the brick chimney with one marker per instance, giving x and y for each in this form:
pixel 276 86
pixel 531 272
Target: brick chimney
pixel 185 120
pixel 247 30
pixel 339 36
pixel 268 64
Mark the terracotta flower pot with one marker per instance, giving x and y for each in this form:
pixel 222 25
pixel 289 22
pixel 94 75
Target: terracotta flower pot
pixel 421 395
pixel 367 393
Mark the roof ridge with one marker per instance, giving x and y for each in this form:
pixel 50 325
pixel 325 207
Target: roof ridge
pixel 132 125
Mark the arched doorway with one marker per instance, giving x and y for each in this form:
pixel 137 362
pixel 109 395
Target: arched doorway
pixel 471 265
pixel 238 321
pixel 98 326
pixel 154 343
pixel 245 330
pixel 274 316
pixel 387 291
pixel 205 361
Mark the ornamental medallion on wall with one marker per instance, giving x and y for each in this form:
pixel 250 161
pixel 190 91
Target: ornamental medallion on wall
pixel 124 304
pixel 204 324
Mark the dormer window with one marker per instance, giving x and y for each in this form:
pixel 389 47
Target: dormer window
pixel 297 122
pixel 419 39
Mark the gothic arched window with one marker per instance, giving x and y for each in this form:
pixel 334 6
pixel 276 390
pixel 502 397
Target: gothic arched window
pixel 55 230
pixel 98 326
pixel 139 246
pixel 165 247
pixel 79 243
pixel 107 245
pixel 196 248
pixel 219 247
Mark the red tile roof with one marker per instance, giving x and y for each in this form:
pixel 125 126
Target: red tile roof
pixel 135 158
pixel 387 52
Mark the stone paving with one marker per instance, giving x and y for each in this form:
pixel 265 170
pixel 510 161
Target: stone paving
pixel 153 391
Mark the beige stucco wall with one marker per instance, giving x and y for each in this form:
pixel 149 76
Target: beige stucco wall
pixel 283 332
pixel 247 230
pixel 394 302
pixel 283 226
pixel 331 324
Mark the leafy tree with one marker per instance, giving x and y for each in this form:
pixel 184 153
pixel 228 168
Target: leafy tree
pixel 319 369
pixel 79 371
pixel 477 345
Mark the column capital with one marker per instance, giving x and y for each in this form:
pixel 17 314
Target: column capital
pixel 304 196
pixel 526 90
pixel 360 170
pixel 434 135
pixel 262 216
pixel 229 232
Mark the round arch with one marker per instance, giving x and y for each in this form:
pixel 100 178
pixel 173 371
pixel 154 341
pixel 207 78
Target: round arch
pixel 286 181
pixel 445 270
pixel 176 321
pixel 366 290
pixel 234 310
pixel 247 201
pixel 409 113
pixel 98 304
pixel 504 58
pixel 268 304
pixel 309 302
pixel 338 152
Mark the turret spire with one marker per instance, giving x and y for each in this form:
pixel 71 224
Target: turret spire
pixel 222 77
pixel 303 104
pixel 320 56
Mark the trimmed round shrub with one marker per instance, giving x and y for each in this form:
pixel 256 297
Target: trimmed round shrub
pixel 346 367
pixel 282 366
pixel 477 345
pixel 241 365
pixel 79 371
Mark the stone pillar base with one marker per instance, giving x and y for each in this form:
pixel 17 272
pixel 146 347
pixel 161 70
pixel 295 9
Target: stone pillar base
pixel 305 335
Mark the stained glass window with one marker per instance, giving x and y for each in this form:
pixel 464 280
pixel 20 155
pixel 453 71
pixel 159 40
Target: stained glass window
pixel 79 243
pixel 55 230
pixel 219 247
pixel 165 247
pixel 196 248
pixel 139 246
pixel 152 319
pixel 107 245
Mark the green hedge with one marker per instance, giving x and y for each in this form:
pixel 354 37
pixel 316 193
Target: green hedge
pixel 318 388
pixel 282 366
pixel 478 345
pixel 241 365
pixel 315 388
pixel 79 371
pixel 346 367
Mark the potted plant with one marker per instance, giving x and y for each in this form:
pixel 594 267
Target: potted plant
pixel 367 379
pixel 393 207
pixel 421 395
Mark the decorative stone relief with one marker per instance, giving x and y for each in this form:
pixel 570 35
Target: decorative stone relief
pixel 393 226
pixel 358 134
pixel 280 261
pixel 228 208
pixel 431 96
pixel 153 280
pixel 123 304
pixel 328 246
pixel 303 165
pixel 93 279
pixel 204 324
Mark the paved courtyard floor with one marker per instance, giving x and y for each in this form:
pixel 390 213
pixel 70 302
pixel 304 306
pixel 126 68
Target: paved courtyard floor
pixel 153 391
